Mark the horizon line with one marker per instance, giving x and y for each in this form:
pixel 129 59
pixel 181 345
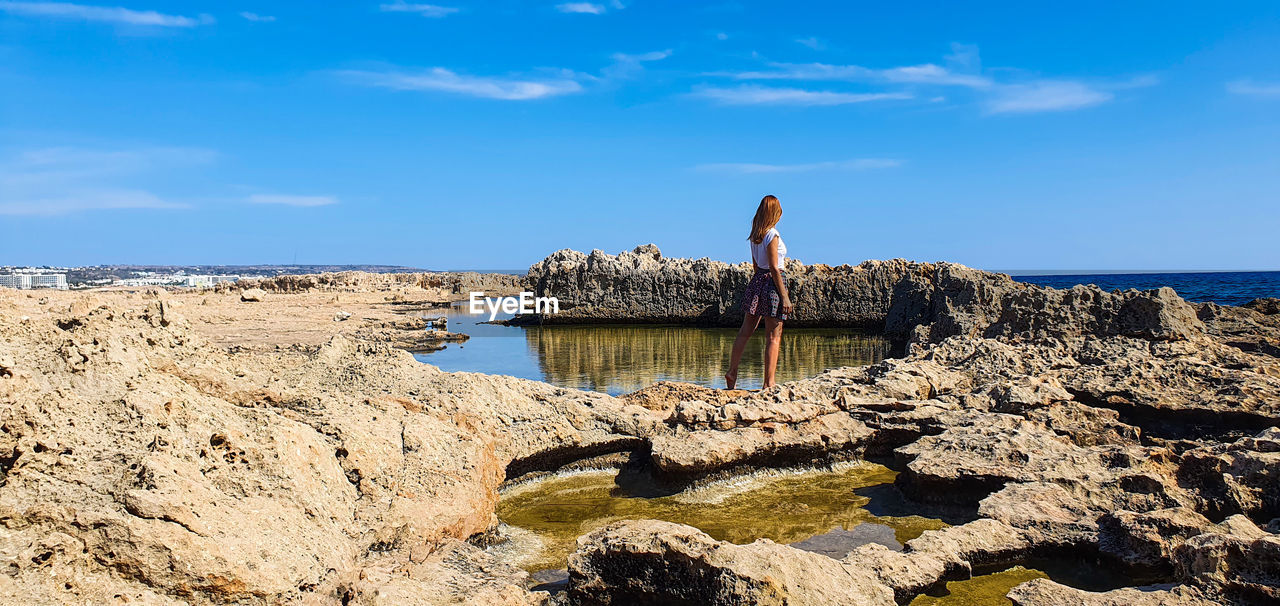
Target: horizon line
pixel 1038 272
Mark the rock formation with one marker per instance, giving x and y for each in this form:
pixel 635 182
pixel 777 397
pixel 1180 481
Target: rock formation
pixel 652 562
pixel 642 286
pixel 910 302
pixel 139 463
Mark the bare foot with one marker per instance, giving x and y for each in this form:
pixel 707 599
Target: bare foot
pixel 730 380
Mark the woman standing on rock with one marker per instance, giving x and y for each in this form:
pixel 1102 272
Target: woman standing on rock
pixel 766 295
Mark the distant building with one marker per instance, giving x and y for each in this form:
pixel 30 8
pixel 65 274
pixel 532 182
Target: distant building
pixel 27 281
pixel 197 281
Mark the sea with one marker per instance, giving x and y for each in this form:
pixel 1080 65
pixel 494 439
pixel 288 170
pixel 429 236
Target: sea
pixel 1222 287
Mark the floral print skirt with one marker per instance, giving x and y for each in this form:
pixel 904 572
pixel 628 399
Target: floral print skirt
pixel 761 297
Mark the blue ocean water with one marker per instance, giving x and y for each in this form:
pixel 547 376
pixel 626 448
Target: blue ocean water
pixel 1222 287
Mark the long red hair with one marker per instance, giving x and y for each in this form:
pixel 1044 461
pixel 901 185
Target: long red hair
pixel 767 215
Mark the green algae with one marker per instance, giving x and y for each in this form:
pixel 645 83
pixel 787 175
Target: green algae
pixel 983 590
pixel 784 506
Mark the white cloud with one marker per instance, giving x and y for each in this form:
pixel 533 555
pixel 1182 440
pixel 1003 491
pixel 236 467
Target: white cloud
pixel 754 169
pixel 105 14
pixel 587 8
pixel 927 73
pixel 63 180
pixel 1045 96
pixel 722 36
pixel 444 80
pixel 627 65
pixel 430 11
pixel 288 200
pixel 54 165
pixel 638 58
pixel 87 199
pixel 761 95
pixel 256 17
pixel 930 73
pixel 963 69
pixel 541 84
pixel 964 56
pixel 812 42
pixel 1268 90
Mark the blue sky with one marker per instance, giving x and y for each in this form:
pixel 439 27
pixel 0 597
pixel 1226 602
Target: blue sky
pixel 1134 135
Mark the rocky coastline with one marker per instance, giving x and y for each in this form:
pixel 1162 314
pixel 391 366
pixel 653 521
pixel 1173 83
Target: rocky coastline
pixel 140 464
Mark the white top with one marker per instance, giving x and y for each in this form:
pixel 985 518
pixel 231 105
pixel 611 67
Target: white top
pixel 760 252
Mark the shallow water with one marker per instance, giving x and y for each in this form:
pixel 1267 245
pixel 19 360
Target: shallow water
pixel 618 359
pixel 829 510
pixel 983 590
pixel 786 506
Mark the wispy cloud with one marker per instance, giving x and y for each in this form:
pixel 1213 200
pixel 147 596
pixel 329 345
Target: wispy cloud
pixel 755 169
pixel 812 42
pixel 1268 90
pixel 488 87
pixel 59 181
pixel 256 17
pixel 290 200
pixel 1008 94
pixel 105 14
pixel 586 8
pixel 763 95
pixel 88 200
pixel 431 11
pixel 626 65
pixel 71 165
pixel 642 57
pixel 539 84
pixel 927 73
pixel 1045 96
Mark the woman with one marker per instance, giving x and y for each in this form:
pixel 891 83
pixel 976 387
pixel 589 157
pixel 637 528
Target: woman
pixel 766 296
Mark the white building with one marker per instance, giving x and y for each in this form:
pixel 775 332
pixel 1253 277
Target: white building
pixel 27 281
pixel 197 281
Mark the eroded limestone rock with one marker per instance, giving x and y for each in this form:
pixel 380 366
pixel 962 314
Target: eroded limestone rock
pixel 648 561
pixel 1044 592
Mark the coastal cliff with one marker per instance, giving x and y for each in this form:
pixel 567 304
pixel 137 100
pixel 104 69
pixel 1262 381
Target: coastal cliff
pixel 141 464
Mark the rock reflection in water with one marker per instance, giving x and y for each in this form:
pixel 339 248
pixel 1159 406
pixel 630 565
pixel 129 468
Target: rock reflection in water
pixel 620 359
pixel 786 507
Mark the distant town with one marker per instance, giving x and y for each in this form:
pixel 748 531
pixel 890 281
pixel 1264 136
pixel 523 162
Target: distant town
pixel 180 276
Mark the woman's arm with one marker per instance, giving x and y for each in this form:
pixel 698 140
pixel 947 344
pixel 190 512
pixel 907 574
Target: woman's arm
pixel 776 271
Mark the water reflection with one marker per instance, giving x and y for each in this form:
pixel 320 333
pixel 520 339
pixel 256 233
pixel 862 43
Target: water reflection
pixel 620 359
pixel 800 505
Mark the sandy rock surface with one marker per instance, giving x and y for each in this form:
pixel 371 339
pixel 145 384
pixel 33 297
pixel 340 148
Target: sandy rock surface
pixel 293 310
pixel 174 448
pixel 140 460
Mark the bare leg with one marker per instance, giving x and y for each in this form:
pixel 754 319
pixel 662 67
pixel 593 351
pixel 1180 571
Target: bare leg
pixel 773 342
pixel 749 324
